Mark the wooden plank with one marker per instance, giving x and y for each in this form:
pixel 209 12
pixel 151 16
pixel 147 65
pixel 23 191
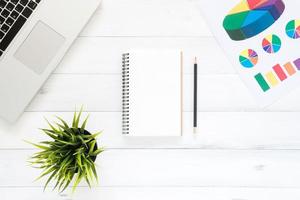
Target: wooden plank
pixel 173 168
pixel 102 55
pixel 217 130
pixel 147 18
pixel 103 93
pixel 150 193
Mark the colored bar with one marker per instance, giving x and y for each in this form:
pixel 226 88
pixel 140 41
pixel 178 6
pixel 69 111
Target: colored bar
pixel 280 73
pixel 271 78
pixel 297 63
pixel 289 68
pixel 262 82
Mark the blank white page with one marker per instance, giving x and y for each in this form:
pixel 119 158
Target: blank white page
pixel 155 93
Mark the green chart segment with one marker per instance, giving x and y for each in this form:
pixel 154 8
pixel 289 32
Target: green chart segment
pixel 251 17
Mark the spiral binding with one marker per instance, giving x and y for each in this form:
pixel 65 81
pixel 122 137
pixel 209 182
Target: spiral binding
pixel 125 93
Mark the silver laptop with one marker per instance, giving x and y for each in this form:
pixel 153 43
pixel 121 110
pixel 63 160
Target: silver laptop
pixel 34 36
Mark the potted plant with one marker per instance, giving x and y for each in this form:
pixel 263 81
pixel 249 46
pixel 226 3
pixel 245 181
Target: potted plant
pixel 69 157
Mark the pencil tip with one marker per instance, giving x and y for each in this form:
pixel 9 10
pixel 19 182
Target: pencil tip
pixel 195 60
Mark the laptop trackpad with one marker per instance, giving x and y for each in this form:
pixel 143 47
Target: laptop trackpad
pixel 40 47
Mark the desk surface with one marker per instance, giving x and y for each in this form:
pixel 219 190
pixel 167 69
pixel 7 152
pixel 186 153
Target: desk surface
pixel 242 151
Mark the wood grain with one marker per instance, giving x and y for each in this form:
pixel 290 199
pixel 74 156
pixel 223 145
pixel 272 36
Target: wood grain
pixel 158 193
pixel 148 18
pixel 173 168
pixel 270 130
pixel 101 55
pixel 103 93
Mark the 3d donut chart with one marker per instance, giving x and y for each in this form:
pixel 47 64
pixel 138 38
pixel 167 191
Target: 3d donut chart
pixel 251 17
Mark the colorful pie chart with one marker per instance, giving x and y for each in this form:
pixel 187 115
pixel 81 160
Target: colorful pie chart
pixel 248 58
pixel 271 44
pixel 250 17
pixel 292 29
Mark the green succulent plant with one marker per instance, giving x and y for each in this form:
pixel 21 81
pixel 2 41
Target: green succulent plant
pixel 70 154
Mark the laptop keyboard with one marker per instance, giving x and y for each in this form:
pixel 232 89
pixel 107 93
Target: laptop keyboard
pixel 13 15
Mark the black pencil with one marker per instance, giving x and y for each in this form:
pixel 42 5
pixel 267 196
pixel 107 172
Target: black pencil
pixel 195 94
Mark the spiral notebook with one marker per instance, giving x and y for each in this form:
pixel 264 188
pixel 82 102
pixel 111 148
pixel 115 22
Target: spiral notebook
pixel 152 93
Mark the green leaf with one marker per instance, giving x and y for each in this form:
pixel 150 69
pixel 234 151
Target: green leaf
pixel 51 135
pixel 92 146
pixel 77 181
pixel 88 171
pixel 74 120
pixel 66 126
pixel 87 180
pixel 78 159
pixel 93 167
pixel 82 140
pixel 66 162
pixel 51 126
pixel 78 118
pixel 69 132
pixel 46 172
pixel 68 143
pixel 59 178
pixel 49 131
pixel 50 178
pixel 93 136
pixel 95 153
pixel 84 123
pixel 61 127
pixel 64 181
pixel 38 146
pixel 68 182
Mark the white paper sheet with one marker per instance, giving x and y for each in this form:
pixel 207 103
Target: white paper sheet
pixel 155 93
pixel 215 12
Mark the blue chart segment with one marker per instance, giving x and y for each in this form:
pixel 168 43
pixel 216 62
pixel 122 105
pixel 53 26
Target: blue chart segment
pixel 251 17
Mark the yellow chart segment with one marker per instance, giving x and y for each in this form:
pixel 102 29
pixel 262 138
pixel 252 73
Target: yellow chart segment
pixel 272 78
pixel 269 38
pixel 241 7
pixel 297 23
pixel 244 6
pixel 245 53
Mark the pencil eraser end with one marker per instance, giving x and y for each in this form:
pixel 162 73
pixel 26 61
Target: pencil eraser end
pixel 195 130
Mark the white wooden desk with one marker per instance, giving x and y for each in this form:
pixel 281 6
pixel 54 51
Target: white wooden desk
pixel 241 153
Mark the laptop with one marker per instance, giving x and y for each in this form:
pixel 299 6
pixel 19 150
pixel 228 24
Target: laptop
pixel 34 36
